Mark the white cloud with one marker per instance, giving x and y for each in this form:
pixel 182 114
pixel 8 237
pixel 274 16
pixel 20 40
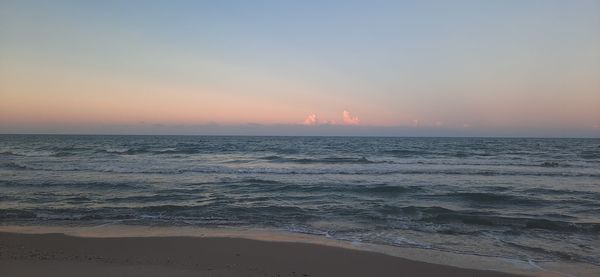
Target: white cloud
pixel 347 118
pixel 311 120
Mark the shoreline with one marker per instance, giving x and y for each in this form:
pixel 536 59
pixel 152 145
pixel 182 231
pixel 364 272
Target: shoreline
pixel 264 242
pixel 62 255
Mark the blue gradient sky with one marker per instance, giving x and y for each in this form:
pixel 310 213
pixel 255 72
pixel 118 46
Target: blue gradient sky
pixel 510 68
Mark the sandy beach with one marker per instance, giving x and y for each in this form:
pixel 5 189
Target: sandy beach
pixel 62 255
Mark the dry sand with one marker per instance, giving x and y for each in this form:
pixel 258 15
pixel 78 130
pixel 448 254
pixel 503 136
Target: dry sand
pixel 62 255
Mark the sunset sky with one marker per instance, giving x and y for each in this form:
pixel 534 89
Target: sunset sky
pixel 505 68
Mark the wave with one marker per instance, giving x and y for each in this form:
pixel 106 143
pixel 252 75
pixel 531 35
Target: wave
pixel 550 191
pixel 176 151
pixel 171 213
pixel 495 198
pixel 590 155
pixel 147 150
pixel 74 151
pixel 408 152
pixel 277 214
pixel 326 160
pixel 563 255
pixel 447 216
pixel 383 189
pixel 46 152
pixel 85 185
pixel 27 153
pixel 16 214
pixel 14 166
pixel 62 154
pixel 152 198
pixel 404 153
pixel 257 181
pixel 550 164
pixel 77 200
pixel 215 169
pixel 128 151
pixel 10 153
pixel 377 189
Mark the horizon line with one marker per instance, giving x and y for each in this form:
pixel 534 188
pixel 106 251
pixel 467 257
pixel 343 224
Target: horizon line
pixel 340 136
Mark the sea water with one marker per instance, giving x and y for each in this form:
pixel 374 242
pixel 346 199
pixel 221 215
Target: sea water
pixel 529 199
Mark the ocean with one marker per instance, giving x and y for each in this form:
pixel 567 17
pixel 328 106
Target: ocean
pixel 519 198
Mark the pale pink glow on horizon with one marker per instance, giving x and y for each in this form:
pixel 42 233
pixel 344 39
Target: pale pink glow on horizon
pixel 81 98
pixel 74 97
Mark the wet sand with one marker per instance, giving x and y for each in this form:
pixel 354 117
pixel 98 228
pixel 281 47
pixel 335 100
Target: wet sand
pixel 62 255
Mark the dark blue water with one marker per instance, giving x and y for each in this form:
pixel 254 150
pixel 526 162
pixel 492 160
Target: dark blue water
pixel 530 199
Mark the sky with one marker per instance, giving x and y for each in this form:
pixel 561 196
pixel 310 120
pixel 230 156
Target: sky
pixel 399 68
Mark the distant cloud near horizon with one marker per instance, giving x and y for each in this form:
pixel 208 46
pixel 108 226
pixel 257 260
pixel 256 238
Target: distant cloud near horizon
pixel 349 119
pixel 311 120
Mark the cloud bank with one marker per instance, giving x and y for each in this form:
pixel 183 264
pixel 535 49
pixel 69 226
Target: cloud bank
pixel 348 119
pixel 311 120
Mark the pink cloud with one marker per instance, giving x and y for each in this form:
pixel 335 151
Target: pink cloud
pixel 311 120
pixel 347 118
